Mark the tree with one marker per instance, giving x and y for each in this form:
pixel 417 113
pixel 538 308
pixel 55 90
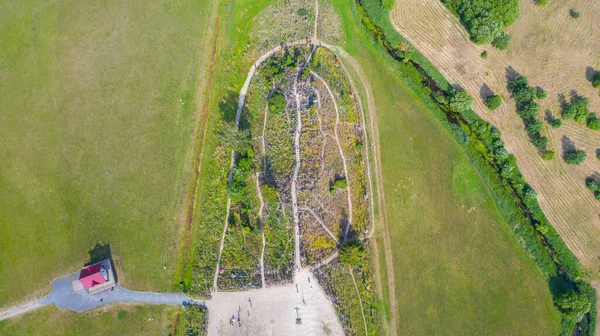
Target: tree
pixel 484 54
pixel 541 3
pixel 540 141
pixel 353 254
pixel 555 123
pixel 577 109
pixel 573 306
pixel 593 184
pixel 534 127
pixel 593 123
pixel 459 101
pixel 521 91
pixel 501 42
pixel 575 157
pixel 528 110
pixel 493 102
pixel 596 79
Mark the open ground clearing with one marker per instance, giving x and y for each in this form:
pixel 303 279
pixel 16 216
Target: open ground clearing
pixel 554 51
pixel 457 268
pixel 98 124
pixel 111 320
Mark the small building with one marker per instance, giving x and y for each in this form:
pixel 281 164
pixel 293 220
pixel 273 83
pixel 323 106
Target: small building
pixel 95 278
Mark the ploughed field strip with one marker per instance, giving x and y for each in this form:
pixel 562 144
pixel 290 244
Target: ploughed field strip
pixel 308 83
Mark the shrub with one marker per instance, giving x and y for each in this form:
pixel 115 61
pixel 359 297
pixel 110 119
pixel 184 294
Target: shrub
pixel 493 102
pixel 484 54
pixel 277 103
pixel 555 123
pixel 302 12
pixel 338 184
pixel 541 94
pixel 575 157
pixel 577 109
pixel 541 3
pixel 501 42
pixel 596 79
pixel 548 155
pixel 574 14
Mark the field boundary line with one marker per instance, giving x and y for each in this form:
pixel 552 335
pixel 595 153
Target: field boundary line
pixel 199 152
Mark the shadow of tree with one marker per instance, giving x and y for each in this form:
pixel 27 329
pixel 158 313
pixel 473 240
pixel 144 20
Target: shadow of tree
pixel 485 91
pixel 567 145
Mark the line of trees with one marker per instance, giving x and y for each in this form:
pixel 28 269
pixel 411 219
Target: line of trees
pixel 525 95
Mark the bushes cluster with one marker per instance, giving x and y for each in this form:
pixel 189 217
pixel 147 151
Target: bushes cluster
pixel 516 200
pixel 528 109
pixel 486 19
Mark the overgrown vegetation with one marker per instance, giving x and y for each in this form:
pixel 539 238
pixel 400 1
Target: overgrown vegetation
pixel 196 320
pixel 486 19
pixel 516 199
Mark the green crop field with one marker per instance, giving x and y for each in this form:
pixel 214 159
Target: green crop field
pixel 457 267
pixel 119 320
pixel 98 104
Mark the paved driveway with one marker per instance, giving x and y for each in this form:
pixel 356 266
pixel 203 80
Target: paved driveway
pixel 63 296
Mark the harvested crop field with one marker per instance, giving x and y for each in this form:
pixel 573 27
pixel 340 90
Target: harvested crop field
pixel 555 52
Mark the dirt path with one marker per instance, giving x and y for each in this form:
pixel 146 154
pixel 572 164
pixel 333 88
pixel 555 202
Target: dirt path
pixel 362 311
pixel 21 309
pixel 260 216
pixel 374 131
pixel 343 157
pixel 297 154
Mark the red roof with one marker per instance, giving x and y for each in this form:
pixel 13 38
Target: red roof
pixel 91 276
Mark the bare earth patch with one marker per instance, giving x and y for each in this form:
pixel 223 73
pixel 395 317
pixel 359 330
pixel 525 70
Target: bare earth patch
pixel 553 51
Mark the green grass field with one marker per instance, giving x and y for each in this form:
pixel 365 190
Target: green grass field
pixel 98 118
pixel 457 267
pixel 119 320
